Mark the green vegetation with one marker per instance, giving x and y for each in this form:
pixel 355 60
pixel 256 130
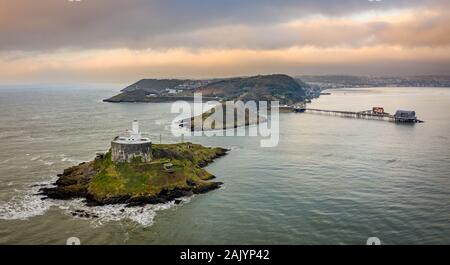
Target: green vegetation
pixel 176 168
pixel 261 87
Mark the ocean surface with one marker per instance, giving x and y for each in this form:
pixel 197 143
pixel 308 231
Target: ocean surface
pixel 330 180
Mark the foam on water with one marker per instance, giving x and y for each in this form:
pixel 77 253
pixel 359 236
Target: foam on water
pixel 143 215
pixel 27 205
pixel 65 158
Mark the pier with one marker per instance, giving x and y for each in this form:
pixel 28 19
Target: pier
pixel 377 113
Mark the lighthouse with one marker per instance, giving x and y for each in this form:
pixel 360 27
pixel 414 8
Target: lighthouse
pixel 132 145
pixel 135 127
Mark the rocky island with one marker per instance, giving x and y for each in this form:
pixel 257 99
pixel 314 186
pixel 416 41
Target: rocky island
pixel 176 170
pixel 167 172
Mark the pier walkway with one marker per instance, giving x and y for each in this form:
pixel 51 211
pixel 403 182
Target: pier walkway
pixel 368 114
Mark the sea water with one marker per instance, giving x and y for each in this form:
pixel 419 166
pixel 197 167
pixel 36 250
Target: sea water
pixel 330 180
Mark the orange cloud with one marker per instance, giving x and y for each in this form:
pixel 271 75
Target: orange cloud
pixel 126 65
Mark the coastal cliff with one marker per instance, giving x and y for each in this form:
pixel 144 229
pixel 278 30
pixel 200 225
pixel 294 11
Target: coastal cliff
pixel 175 171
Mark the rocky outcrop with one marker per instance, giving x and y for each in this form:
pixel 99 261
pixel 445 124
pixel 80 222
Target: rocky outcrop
pixel 86 179
pixel 72 183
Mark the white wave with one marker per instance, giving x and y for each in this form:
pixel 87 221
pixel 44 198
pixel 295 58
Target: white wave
pixel 28 205
pixel 35 158
pixel 71 160
pixel 100 215
pixel 23 208
pixel 44 160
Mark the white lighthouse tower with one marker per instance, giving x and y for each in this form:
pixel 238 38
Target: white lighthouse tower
pixel 135 134
pixel 133 144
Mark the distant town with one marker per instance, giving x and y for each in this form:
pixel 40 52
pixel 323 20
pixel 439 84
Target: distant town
pixel 346 81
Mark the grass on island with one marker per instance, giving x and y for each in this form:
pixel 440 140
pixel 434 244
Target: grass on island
pixel 139 178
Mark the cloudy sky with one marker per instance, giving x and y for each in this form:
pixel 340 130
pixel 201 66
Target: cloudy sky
pixel 124 40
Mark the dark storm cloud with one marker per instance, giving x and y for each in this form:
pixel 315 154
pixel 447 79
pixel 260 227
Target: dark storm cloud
pixel 57 24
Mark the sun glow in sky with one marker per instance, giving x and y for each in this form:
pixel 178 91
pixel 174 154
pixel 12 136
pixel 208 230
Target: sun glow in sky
pixel 120 41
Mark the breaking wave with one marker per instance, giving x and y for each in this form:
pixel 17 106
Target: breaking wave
pixel 28 204
pixel 100 215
